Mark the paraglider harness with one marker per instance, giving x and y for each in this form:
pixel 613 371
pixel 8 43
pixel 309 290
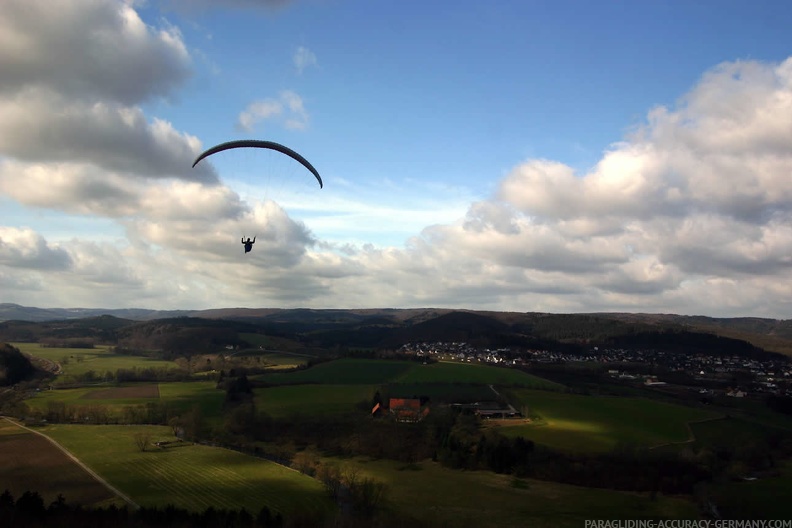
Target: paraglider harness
pixel 248 243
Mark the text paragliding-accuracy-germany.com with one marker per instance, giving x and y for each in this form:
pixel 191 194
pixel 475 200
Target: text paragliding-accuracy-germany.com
pixel 678 523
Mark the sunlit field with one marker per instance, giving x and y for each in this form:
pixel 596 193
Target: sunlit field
pixel 100 360
pixel 194 477
pixel 600 423
pixel 444 497
pixel 178 396
pixel 29 462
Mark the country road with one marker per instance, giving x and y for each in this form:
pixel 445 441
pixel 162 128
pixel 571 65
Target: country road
pixel 78 462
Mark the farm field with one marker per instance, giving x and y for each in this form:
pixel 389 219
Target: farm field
pixel 191 476
pixel 113 397
pixel 453 372
pixel 729 432
pixel 184 395
pixel 764 498
pixel 599 423
pixel 181 396
pixel 345 371
pixel 98 359
pixel 312 400
pixel 350 371
pixel 440 392
pixel 443 497
pixel 28 462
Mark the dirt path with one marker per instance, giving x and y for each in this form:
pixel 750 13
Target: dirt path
pixel 79 463
pixel 691 437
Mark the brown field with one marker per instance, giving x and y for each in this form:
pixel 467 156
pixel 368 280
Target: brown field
pixel 28 462
pixel 119 393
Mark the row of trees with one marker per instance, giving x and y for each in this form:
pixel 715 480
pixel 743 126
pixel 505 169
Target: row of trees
pixel 154 412
pixel 30 511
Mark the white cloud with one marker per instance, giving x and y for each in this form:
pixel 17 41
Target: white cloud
pixel 23 248
pixel 303 58
pixel 692 213
pixel 39 125
pixel 88 49
pixel 287 108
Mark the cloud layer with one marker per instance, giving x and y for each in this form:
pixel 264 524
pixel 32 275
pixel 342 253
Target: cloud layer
pixel 690 213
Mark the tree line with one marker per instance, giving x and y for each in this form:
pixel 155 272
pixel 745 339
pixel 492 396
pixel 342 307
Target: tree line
pixel 30 511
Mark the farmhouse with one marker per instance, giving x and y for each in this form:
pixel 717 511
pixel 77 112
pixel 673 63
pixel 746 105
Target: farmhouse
pixel 407 409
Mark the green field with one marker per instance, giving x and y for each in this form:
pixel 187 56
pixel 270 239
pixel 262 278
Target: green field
pixel 443 497
pixel 452 372
pixel 730 432
pixel 183 396
pixel 179 396
pixel 441 392
pixel 312 400
pixel 765 498
pixel 349 371
pixel 193 476
pixel 600 423
pixel 98 359
pixel 343 372
pixel 28 462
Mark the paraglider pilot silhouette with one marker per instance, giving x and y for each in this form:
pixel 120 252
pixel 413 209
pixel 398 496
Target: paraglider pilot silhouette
pixel 248 243
pixel 254 143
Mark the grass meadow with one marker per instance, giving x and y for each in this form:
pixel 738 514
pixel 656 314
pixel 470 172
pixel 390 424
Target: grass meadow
pixel 345 371
pixel 453 372
pixel 599 423
pixel 191 476
pixel 99 359
pixel 180 396
pixel 765 498
pixel 29 462
pixel 440 392
pixel 444 497
pixel 349 371
pixel 312 400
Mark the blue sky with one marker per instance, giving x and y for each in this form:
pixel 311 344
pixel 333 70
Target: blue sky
pixel 529 156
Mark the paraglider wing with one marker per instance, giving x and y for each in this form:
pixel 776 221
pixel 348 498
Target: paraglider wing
pixel 255 143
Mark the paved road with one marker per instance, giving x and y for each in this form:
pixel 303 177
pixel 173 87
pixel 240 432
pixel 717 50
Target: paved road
pixel 79 462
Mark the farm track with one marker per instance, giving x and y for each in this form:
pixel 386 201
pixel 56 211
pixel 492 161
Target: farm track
pixel 91 472
pixel 691 436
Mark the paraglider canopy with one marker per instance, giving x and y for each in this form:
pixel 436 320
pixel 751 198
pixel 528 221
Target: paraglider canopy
pixel 255 143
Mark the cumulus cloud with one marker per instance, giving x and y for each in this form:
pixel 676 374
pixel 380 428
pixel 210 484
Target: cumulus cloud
pixel 691 213
pixel 23 248
pixel 303 58
pixel 73 75
pixel 287 109
pixel 88 49
pixel 42 126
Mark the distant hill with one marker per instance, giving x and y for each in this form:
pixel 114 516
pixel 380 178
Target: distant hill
pixel 16 312
pixel 385 328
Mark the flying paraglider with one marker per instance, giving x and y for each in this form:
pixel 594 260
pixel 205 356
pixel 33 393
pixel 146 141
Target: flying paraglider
pixel 255 143
pixel 248 243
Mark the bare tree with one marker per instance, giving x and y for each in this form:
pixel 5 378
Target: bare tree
pixel 142 440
